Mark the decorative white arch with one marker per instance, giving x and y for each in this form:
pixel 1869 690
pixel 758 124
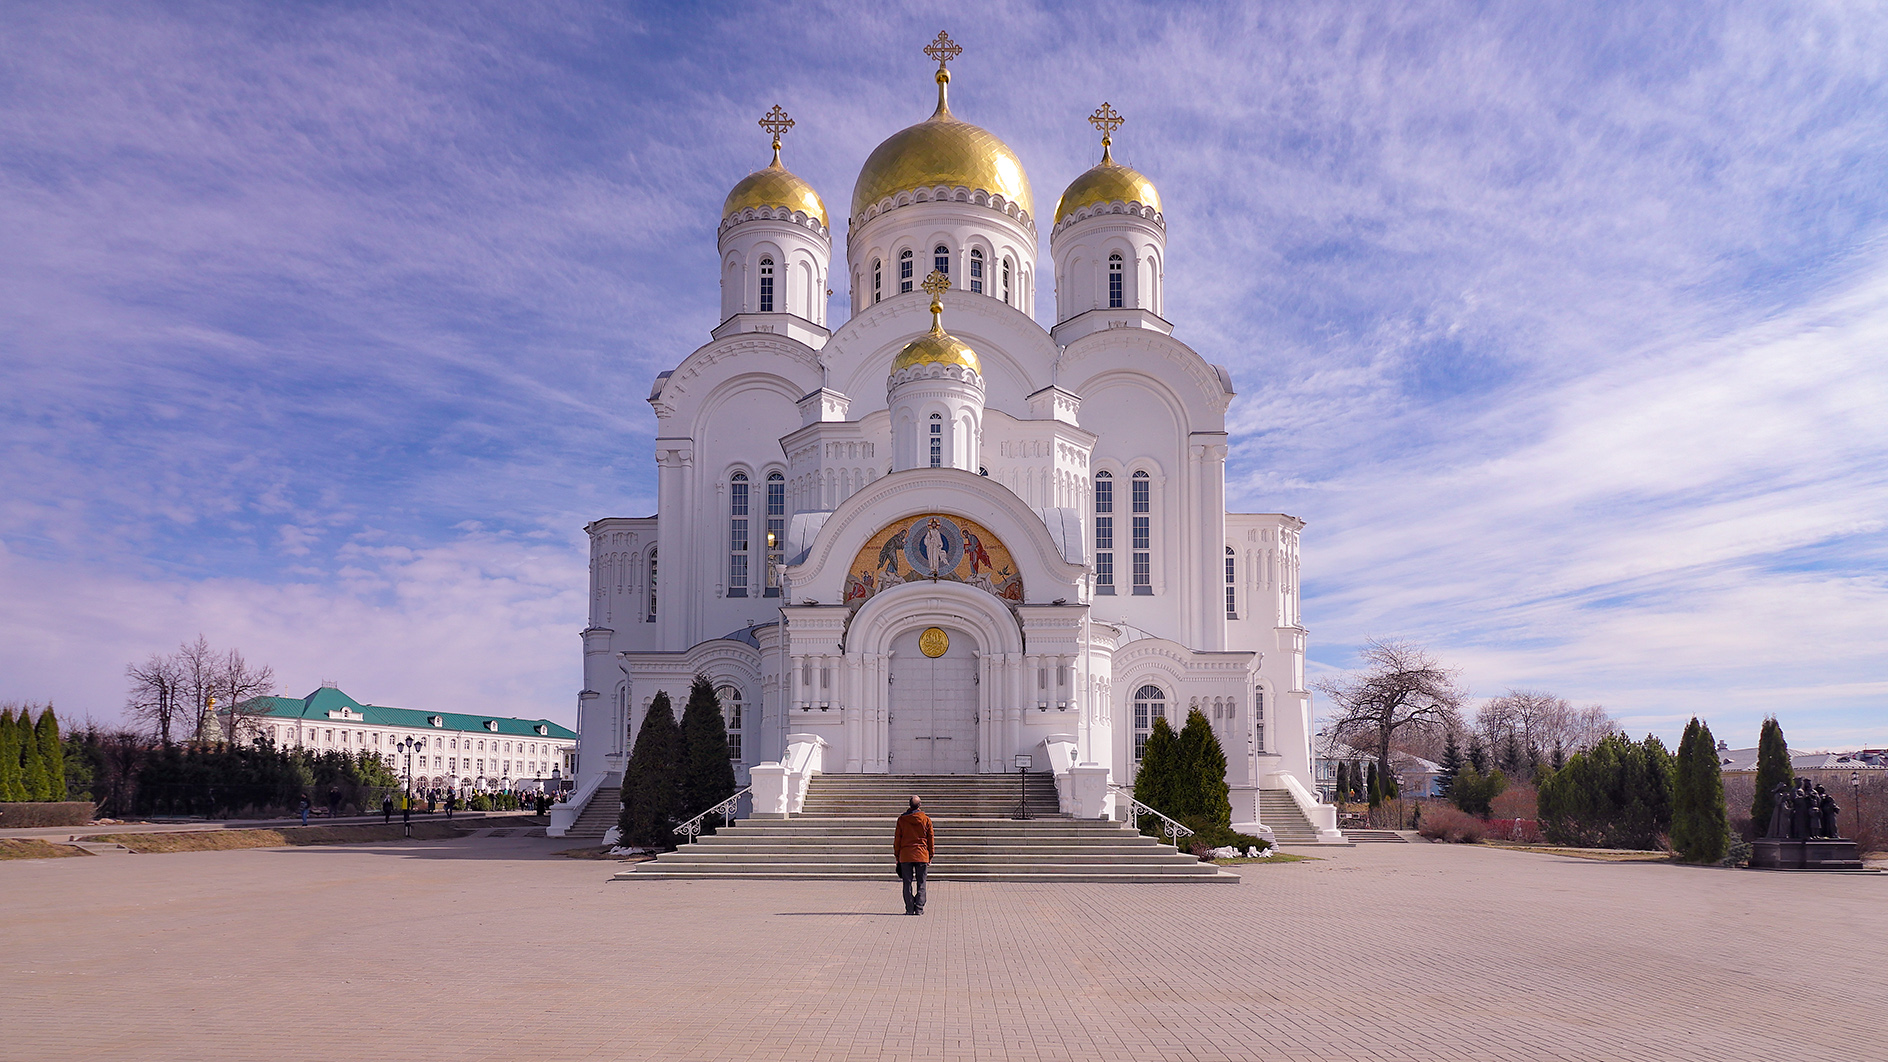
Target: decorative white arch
pixel 915 605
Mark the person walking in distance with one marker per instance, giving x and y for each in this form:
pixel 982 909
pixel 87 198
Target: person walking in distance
pixel 304 809
pixel 386 809
pixel 912 845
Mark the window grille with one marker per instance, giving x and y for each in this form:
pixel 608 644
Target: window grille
pixel 904 270
pixel 766 285
pixel 1232 586
pixel 937 440
pixel 941 259
pixel 776 529
pixel 1150 703
pixel 1104 533
pixel 877 288
pixel 731 710
pixel 976 271
pixel 737 535
pixel 1142 543
pixel 1116 294
pixel 1006 283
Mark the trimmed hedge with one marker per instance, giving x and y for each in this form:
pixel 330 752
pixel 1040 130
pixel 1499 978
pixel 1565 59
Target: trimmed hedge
pixel 47 813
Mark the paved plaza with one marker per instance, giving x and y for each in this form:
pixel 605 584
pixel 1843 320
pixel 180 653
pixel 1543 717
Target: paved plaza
pixel 490 948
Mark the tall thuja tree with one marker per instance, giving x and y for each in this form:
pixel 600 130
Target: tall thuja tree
pixel 10 787
pixel 650 777
pixel 1773 769
pixel 1204 798
pixel 1342 785
pixel 707 773
pixel 52 753
pixel 32 765
pixel 1451 764
pixel 1157 781
pixel 1373 786
pixel 1699 831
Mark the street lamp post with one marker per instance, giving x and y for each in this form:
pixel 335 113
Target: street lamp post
pixel 1855 800
pixel 1023 760
pixel 407 746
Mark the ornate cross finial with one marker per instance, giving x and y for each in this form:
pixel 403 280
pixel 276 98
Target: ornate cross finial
pixel 937 284
pixel 776 122
pixel 943 49
pixel 1107 119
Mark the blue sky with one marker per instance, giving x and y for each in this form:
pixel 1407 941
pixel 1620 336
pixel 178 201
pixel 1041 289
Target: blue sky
pixel 324 328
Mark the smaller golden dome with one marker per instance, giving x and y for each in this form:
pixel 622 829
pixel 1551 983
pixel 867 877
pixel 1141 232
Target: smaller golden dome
pixel 1107 183
pixel 774 186
pixel 936 347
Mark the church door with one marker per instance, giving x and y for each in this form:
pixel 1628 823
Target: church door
pixel 933 727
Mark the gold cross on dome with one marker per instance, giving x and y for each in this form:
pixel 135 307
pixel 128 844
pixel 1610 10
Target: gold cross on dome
pixel 943 49
pixel 1107 119
pixel 937 284
pixel 776 122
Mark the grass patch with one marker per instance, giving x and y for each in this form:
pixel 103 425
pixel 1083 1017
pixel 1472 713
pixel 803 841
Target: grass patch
pixel 292 836
pixel 34 848
pixel 1280 857
pixel 1603 855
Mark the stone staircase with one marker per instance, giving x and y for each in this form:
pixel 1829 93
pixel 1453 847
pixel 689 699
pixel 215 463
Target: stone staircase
pixel 1375 837
pixel 1289 826
pixel 605 806
pixel 845 833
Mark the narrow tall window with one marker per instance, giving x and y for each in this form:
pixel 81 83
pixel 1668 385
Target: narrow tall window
pixel 1143 534
pixel 1006 283
pixel 1232 587
pixel 877 285
pixel 1149 704
pixel 652 586
pixel 766 285
pixel 941 259
pixel 904 270
pixel 937 440
pixel 776 529
pixel 1104 533
pixel 1258 717
pixel 1116 290
pixel 737 535
pixel 976 271
pixel 731 711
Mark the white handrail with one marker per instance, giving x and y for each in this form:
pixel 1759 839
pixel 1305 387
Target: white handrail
pixel 726 809
pixel 1135 809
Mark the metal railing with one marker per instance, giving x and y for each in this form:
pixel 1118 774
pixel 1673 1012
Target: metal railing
pixel 1171 829
pixel 726 809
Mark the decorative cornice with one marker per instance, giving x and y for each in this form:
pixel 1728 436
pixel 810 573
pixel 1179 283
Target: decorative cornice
pixel 943 194
pixel 794 217
pixel 1093 210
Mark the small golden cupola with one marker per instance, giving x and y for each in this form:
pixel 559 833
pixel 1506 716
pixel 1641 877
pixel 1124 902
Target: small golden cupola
pixel 775 186
pixel 1108 181
pixel 936 347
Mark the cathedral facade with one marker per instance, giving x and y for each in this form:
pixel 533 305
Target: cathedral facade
pixel 939 535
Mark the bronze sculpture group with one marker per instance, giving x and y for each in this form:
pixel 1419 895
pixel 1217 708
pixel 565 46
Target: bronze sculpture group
pixel 1802 811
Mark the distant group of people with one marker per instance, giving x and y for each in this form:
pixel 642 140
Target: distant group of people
pixel 448 800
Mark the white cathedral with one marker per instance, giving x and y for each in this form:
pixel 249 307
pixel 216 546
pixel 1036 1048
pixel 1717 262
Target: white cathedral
pixel 940 535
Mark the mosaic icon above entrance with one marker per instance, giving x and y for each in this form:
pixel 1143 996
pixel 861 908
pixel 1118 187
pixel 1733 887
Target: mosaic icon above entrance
pixel 934 642
pixel 938 547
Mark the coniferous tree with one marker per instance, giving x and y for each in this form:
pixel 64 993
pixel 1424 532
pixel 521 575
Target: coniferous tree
pixel 1451 764
pixel 1512 758
pixel 1357 791
pixel 52 752
pixel 1156 781
pixel 1773 768
pixel 33 781
pixel 1477 754
pixel 1203 796
pixel 707 773
pixel 649 780
pixel 10 788
pixel 1699 832
pixel 1373 787
pixel 1560 756
pixel 1342 786
pixel 1474 792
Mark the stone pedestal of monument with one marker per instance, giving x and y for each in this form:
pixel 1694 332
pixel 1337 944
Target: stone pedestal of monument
pixel 1816 853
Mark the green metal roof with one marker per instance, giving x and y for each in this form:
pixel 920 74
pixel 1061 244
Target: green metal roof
pixel 318 704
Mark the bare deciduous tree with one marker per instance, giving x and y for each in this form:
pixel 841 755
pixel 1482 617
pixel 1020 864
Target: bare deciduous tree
pixel 1538 720
pixel 238 685
pixel 174 694
pixel 154 697
pixel 1401 688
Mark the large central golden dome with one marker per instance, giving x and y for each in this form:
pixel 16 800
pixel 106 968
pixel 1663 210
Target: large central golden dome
pixel 942 150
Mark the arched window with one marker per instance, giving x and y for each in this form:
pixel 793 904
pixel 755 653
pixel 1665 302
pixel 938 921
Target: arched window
pixel 976 270
pixel 937 440
pixel 1116 290
pixel 941 259
pixel 730 699
pixel 1149 704
pixel 737 535
pixel 1143 543
pixel 904 270
pixel 1008 268
pixel 1258 718
pixel 652 586
pixel 877 285
pixel 1104 533
pixel 1232 587
pixel 776 529
pixel 766 285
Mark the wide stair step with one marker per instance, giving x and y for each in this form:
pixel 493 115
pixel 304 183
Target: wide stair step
pixel 979 838
pixel 605 807
pixel 1375 837
pixel 1278 810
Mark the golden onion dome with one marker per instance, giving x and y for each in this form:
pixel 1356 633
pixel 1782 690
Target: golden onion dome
pixel 775 186
pixel 936 347
pixel 942 150
pixel 1109 182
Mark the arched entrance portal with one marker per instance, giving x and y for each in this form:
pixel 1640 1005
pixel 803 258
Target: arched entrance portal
pixel 932 727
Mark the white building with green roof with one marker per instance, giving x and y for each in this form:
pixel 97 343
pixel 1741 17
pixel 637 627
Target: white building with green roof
pixel 454 751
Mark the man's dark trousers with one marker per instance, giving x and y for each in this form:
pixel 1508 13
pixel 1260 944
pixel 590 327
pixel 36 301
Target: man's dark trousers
pixel 913 874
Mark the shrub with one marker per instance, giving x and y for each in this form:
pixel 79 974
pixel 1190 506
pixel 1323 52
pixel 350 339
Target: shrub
pixel 1206 838
pixel 1475 792
pixel 649 780
pixel 1444 823
pixel 1157 781
pixel 1617 794
pixel 1516 802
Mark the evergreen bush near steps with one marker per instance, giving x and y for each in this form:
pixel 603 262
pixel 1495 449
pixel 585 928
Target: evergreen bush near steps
pixel 10 788
pixel 1700 833
pixel 707 775
pixel 648 819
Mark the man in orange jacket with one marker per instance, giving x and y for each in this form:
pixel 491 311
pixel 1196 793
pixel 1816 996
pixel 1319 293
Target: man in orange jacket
pixel 912 846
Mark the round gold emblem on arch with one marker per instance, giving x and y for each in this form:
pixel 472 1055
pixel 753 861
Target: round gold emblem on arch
pixel 934 642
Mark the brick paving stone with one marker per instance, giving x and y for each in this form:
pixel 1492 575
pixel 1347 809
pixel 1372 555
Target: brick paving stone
pixel 493 949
